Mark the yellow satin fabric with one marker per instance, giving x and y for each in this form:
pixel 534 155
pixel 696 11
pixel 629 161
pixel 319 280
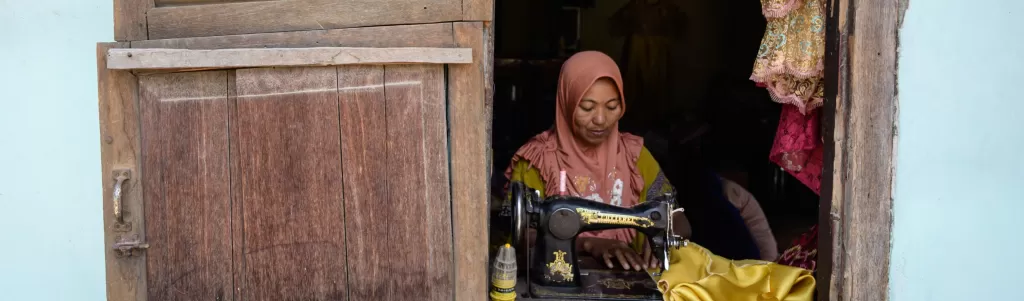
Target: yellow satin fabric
pixel 697 275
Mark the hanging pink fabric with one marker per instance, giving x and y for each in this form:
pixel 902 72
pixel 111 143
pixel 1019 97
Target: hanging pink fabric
pixel 798 146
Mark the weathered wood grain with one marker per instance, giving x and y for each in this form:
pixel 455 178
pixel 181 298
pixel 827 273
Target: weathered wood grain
pixel 281 57
pixel 120 149
pixel 420 35
pixel 130 19
pixel 289 162
pixel 488 61
pixel 469 122
pixel 477 10
pixel 829 263
pixel 237 228
pixel 294 15
pixel 364 159
pixel 185 165
pixel 860 139
pixel 420 227
pixel 162 3
pixel 870 133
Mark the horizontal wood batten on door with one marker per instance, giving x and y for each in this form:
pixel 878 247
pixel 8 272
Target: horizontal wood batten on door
pixel 420 35
pixel 122 58
pixel 294 15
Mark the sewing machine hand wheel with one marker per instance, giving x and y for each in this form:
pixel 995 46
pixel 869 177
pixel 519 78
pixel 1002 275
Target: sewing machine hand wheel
pixel 519 197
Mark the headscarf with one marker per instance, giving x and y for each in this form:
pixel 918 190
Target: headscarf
pixel 611 175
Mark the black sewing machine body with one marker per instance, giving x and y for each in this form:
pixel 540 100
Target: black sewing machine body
pixel 553 266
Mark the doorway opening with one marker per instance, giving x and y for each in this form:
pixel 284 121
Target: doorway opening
pixel 694 92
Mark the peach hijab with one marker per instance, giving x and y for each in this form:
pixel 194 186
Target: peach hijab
pixel 608 175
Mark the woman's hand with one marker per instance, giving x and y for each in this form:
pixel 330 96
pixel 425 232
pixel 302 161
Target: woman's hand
pixel 607 249
pixel 652 261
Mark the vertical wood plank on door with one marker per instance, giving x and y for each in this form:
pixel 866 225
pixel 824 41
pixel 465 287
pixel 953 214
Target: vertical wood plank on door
pixel 289 162
pixel 185 161
pixel 236 188
pixel 364 161
pixel 120 149
pixel 470 120
pixel 417 178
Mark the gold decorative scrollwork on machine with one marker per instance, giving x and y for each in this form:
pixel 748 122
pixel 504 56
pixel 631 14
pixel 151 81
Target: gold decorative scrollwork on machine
pixel 560 267
pixel 589 216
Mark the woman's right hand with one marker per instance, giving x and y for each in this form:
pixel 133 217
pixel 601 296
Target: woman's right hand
pixel 604 249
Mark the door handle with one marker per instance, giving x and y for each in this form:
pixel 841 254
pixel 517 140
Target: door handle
pixel 120 176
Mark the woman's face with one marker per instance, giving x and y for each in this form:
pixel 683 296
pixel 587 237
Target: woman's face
pixel 598 113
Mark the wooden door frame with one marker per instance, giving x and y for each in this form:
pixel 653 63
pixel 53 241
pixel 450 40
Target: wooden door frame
pixel 860 143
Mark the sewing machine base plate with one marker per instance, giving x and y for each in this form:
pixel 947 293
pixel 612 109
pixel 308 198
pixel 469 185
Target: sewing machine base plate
pixel 599 284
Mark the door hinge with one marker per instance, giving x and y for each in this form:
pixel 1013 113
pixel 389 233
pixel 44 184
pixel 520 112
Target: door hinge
pixel 129 246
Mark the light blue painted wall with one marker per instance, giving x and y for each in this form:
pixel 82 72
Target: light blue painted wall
pixel 51 236
pixel 958 231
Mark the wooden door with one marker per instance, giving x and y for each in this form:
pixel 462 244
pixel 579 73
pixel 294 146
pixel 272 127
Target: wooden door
pixel 323 183
pixel 359 181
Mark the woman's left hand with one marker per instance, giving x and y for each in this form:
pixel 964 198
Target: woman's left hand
pixel 607 250
pixel 648 256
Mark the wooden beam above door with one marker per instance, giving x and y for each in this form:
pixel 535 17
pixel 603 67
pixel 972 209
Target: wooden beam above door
pixel 293 15
pixel 125 58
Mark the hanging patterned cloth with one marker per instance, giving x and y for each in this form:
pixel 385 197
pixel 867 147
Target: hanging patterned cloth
pixel 777 8
pixel 789 64
pixel 798 148
pixel 791 57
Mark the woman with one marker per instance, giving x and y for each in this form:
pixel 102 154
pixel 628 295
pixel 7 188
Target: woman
pixel 601 163
pixel 608 166
pixel 604 165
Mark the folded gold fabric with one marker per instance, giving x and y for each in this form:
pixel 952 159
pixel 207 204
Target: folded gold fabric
pixel 697 275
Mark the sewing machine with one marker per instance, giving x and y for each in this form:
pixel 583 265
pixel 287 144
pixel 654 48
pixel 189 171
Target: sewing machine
pixel 553 269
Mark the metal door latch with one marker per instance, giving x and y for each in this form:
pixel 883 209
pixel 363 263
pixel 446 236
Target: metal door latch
pixel 129 246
